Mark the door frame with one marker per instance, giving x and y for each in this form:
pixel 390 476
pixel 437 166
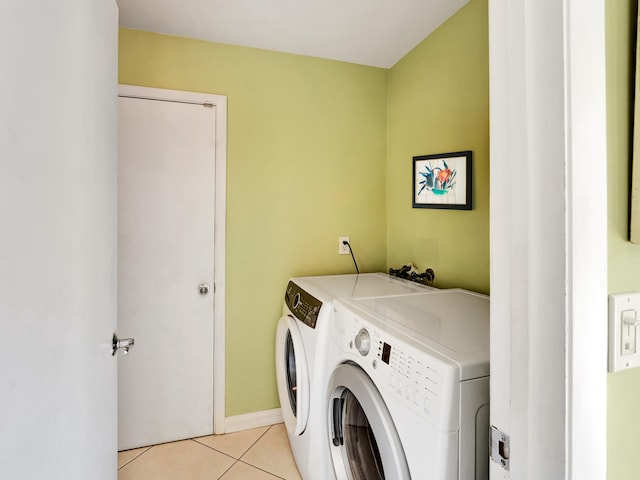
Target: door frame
pixel 219 229
pixel 549 237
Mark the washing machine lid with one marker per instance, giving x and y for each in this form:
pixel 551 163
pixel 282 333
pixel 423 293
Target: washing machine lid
pixel 365 285
pixel 453 322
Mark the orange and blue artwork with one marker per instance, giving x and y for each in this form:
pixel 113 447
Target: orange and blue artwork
pixel 442 181
pixel 439 179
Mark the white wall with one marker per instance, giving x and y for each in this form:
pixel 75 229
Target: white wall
pixel 548 236
pixel 58 239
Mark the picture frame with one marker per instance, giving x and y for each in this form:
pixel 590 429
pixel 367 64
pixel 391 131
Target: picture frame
pixel 443 181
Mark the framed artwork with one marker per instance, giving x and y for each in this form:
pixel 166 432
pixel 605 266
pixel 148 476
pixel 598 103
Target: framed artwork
pixel 634 207
pixel 443 181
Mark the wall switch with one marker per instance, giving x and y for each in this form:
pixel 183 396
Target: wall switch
pixel 342 248
pixel 628 332
pixel 624 322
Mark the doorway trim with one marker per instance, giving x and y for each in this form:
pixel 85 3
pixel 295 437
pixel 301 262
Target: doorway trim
pixel 549 237
pixel 219 231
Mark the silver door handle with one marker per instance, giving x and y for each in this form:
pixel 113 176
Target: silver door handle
pixel 125 344
pixel 203 288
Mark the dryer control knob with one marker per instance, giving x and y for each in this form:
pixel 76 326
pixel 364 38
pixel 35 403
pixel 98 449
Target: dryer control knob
pixel 363 342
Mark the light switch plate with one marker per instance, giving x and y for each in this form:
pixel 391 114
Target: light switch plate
pixel 624 346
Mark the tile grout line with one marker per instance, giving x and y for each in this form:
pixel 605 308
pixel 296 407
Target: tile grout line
pixel 235 460
pixel 214 449
pixel 254 444
pixel 136 457
pixel 231 456
pixel 227 470
pixel 238 460
pixel 254 466
pixel 262 470
pixel 211 448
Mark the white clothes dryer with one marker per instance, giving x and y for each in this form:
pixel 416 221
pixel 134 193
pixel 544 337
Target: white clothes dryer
pixel 408 395
pixel 301 356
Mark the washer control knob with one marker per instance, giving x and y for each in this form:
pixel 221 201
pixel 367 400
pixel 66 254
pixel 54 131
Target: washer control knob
pixel 363 342
pixel 296 300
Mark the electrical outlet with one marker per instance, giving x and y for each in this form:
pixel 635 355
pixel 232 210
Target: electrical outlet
pixel 342 248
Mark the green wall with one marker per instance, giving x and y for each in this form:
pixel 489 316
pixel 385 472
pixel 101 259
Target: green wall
pixel 624 258
pixel 305 164
pixel 438 103
pixel 308 161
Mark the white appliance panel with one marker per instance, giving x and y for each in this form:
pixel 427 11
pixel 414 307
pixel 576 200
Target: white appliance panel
pixel 309 447
pixel 438 397
pixel 454 323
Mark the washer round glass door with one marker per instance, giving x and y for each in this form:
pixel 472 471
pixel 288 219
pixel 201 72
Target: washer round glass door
pixel 363 440
pixel 292 375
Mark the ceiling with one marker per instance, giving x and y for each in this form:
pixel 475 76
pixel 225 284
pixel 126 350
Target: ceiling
pixel 368 32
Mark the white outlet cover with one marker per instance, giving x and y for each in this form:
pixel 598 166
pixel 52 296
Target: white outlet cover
pixel 342 248
pixel 622 305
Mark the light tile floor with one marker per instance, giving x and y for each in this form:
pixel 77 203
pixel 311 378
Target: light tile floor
pixel 257 454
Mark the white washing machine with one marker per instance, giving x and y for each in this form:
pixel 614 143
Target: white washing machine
pixel 301 356
pixel 408 395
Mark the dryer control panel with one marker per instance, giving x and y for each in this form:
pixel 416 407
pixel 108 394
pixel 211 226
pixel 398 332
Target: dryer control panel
pixel 413 378
pixel 418 377
pixel 303 305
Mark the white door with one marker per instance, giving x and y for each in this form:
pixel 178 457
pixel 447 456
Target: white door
pixel 58 228
pixel 166 184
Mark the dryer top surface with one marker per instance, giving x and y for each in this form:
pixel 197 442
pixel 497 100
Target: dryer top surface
pixel 453 322
pixel 364 285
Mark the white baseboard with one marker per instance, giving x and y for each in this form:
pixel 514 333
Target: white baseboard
pixel 252 420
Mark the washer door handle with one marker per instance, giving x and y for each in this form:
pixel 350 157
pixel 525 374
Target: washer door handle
pixel 338 437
